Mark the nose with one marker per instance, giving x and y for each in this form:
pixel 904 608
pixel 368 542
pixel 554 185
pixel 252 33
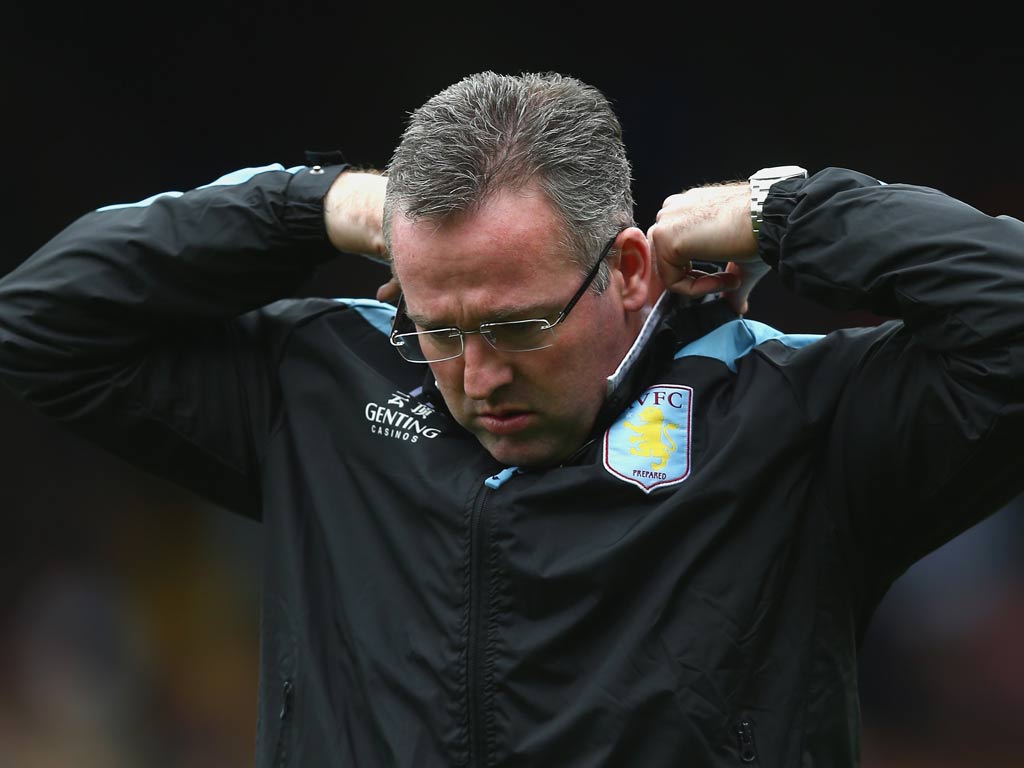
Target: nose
pixel 484 369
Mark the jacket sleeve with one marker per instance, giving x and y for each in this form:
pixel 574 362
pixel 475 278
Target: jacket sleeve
pixel 923 416
pixel 137 326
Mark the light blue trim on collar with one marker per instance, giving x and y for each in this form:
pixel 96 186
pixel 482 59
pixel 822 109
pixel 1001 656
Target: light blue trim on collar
pixel 734 339
pixel 379 314
pixel 496 481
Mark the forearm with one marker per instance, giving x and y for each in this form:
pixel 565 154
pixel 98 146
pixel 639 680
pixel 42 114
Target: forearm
pixel 953 274
pixel 132 327
pixel 113 283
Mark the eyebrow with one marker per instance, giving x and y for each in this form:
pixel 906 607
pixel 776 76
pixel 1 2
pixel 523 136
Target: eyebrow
pixel 500 315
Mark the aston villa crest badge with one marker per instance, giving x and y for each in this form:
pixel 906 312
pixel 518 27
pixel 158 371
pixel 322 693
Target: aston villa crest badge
pixel 649 445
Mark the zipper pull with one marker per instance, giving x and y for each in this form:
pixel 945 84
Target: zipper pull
pixel 494 482
pixel 745 734
pixel 284 735
pixel 286 700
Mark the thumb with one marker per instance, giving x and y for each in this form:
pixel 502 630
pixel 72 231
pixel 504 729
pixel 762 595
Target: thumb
pixel 389 291
pixel 748 273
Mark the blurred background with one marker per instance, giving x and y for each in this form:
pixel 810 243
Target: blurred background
pixel 129 608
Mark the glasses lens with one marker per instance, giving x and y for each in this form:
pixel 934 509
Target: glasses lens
pixel 519 335
pixel 429 346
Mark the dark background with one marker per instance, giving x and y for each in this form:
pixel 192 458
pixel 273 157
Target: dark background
pixel 128 608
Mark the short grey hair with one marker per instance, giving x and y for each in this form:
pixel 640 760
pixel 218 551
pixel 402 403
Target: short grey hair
pixel 490 132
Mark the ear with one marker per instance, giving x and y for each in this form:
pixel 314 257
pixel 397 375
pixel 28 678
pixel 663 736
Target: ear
pixel 634 265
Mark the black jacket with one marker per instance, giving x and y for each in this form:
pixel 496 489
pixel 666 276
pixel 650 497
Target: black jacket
pixel 689 589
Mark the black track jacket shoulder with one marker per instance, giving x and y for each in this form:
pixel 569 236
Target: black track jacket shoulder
pixel 690 589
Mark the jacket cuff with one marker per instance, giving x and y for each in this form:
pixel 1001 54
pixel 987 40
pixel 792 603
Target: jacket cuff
pixel 782 199
pixel 304 212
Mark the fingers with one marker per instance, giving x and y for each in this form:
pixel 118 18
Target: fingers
pixel 695 284
pixel 737 281
pixel 670 263
pixel 748 274
pixel 710 223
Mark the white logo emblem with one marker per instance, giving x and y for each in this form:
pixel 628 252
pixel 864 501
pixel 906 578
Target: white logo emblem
pixel 401 418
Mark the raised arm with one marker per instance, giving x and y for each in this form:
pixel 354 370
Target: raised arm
pixel 145 327
pixel 919 420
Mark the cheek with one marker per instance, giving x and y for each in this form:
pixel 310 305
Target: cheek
pixel 448 376
pixel 573 375
pixel 582 371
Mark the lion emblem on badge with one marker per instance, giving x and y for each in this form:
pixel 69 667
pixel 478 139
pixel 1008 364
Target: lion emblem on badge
pixel 652 438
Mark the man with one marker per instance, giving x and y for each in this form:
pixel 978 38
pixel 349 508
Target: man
pixel 576 520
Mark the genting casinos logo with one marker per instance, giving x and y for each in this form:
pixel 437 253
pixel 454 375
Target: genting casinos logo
pixel 401 418
pixel 649 445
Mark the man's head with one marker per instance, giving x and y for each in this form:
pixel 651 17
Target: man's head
pixel 500 197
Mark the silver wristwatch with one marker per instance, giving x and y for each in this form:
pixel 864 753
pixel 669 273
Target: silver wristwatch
pixel 761 182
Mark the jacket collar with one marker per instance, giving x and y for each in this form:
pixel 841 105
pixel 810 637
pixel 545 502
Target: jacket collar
pixel 673 322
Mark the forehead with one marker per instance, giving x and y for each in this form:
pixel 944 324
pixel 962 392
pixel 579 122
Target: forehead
pixel 506 256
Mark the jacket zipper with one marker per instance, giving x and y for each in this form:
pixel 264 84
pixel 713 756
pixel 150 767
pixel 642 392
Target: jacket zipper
pixel 285 716
pixel 745 737
pixel 479 544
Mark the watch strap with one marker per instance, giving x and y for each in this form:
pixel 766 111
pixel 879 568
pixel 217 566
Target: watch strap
pixel 761 182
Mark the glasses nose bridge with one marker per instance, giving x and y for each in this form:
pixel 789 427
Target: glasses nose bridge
pixel 484 335
pixel 483 332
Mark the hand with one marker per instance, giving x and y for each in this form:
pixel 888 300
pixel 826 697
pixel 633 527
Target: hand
pixel 709 223
pixel 353 214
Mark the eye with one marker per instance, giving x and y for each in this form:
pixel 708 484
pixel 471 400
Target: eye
pixel 515 331
pixel 441 333
pixel 519 335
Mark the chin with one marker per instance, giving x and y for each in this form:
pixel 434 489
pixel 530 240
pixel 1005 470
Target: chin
pixel 523 454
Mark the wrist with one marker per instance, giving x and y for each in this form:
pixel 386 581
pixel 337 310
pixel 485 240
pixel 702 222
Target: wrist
pixel 353 214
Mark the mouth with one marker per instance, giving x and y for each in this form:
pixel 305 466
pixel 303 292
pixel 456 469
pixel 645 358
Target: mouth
pixel 503 423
